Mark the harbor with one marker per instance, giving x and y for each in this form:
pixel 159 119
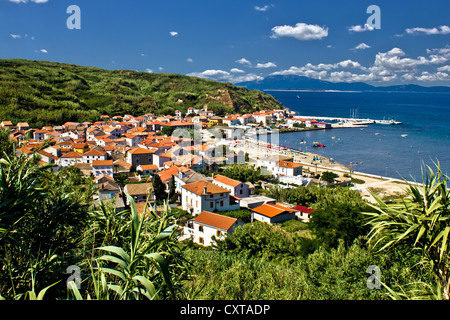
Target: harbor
pixel 353 121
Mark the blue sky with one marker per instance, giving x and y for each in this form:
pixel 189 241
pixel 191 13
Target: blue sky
pixel 238 40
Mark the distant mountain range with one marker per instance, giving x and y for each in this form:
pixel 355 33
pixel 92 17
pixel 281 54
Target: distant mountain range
pixel 292 82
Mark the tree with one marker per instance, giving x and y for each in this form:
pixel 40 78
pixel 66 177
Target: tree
pixel 167 131
pixel 329 176
pixel 420 223
pixel 159 188
pixel 7 144
pixel 337 221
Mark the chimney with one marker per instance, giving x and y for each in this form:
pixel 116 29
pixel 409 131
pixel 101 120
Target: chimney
pixel 204 189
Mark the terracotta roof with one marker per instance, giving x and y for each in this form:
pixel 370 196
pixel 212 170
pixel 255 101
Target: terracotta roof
pixel 7 123
pixel 225 180
pixel 271 210
pixel 141 151
pixel 303 209
pixel 139 188
pixel 123 163
pixel 149 167
pixel 168 173
pixel 72 155
pixel 94 152
pixel 288 164
pixel 199 188
pixel 215 220
pixel 102 163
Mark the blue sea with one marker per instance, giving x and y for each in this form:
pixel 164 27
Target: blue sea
pixel 377 149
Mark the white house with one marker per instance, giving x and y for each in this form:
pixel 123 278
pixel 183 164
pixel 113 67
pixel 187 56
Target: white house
pixel 203 195
pixel 207 226
pixel 103 167
pixel 186 177
pixel 94 155
pixel 147 169
pixel 132 140
pixel 237 188
pixel 288 169
pixel 70 158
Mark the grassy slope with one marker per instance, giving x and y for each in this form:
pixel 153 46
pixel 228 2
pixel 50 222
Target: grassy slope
pixel 49 93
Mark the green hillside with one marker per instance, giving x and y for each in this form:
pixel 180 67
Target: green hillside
pixel 49 93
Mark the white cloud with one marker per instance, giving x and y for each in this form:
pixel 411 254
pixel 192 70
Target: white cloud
pixel 236 70
pixel 264 8
pixel 429 31
pixel 359 28
pixel 362 46
pixel 444 69
pixel 149 70
pixel 244 61
pixel 438 76
pixel 189 60
pixel 160 68
pixel 224 76
pixel 387 66
pixel 301 31
pixel 26 1
pixel 173 33
pixel 393 61
pixel 15 36
pixel 266 65
pixel 43 51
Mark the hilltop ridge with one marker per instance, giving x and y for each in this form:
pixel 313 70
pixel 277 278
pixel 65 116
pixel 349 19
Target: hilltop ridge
pixel 50 93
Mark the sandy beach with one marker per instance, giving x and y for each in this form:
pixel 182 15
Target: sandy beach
pixel 382 186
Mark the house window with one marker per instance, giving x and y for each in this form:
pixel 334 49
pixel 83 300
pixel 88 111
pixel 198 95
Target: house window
pixel 240 191
pixel 221 203
pixel 221 194
pixel 200 240
pixel 218 233
pixel 211 205
pixel 200 228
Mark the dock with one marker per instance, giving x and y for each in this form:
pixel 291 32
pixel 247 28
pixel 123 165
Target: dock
pixel 354 121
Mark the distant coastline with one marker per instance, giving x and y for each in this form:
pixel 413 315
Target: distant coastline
pixel 312 90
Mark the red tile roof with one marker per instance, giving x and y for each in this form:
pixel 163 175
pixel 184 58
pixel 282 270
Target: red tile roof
pixel 200 186
pixel 215 220
pixel 271 210
pixel 225 180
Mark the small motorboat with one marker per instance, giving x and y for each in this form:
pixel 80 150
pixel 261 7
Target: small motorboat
pixel 318 145
pixel 404 135
pixel 302 142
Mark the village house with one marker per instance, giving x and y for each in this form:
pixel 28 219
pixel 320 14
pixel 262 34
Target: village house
pixel 7 125
pixel 287 169
pixel 147 169
pixel 70 158
pixel 272 213
pixel 237 188
pixel 140 192
pixel 203 195
pixel 186 177
pixel 303 213
pixel 208 226
pixel 102 167
pixel 23 126
pixel 94 155
pixel 140 156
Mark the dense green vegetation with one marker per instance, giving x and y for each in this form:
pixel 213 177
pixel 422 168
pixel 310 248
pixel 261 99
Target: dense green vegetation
pixel 49 93
pixel 48 222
